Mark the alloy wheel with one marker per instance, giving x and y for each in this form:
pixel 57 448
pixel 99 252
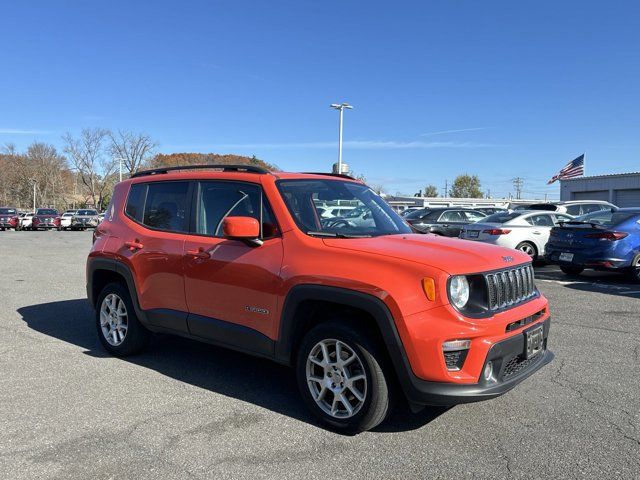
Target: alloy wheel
pixel 528 249
pixel 336 378
pixel 113 319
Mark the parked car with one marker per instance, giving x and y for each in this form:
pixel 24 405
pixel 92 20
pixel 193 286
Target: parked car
pixel 9 218
pixel 608 240
pixel 65 219
pixel 84 219
pixel 447 222
pixel 407 211
pixel 238 257
pixel 46 219
pixel 574 208
pixel 527 231
pixel 25 221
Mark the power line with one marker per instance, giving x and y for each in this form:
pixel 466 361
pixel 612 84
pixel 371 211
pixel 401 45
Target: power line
pixel 518 182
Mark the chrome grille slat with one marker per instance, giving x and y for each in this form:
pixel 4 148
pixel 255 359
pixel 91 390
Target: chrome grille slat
pixel 509 287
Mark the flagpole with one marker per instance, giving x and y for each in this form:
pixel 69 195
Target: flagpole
pixel 584 163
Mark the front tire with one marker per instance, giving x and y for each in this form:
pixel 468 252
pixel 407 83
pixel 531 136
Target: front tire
pixel 117 324
pixel 634 270
pixel 571 270
pixel 341 379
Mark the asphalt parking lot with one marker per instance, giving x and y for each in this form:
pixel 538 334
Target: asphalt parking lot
pixel 189 410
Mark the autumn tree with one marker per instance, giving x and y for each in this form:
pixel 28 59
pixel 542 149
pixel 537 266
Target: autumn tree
pixel 466 186
pixel 90 156
pixel 135 150
pixel 430 191
pixel 178 159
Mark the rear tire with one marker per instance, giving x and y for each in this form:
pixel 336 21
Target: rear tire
pixel 117 324
pixel 634 272
pixel 359 398
pixel 528 248
pixel 571 270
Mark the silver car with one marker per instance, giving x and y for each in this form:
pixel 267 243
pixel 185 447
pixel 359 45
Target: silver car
pixel 84 219
pixel 527 231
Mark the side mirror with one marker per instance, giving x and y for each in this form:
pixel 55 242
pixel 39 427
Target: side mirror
pixel 246 229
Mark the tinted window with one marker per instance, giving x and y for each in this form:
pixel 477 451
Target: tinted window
pixel 452 216
pixel 166 206
pixel 575 210
pixel 135 201
pixel 593 207
pixel 218 200
pixel 501 217
pixel 46 211
pixel 416 214
pixel 7 211
pixel 541 220
pixel 86 212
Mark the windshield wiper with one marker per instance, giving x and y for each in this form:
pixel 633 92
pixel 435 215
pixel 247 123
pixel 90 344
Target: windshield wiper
pixel 336 235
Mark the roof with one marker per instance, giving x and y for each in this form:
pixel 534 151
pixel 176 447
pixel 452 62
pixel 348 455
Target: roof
pixel 608 175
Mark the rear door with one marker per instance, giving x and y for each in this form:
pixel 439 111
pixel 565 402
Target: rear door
pixel 227 281
pixel 542 225
pixel 451 222
pixel 153 243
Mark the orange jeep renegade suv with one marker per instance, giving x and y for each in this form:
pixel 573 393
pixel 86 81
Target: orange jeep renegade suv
pixel 248 259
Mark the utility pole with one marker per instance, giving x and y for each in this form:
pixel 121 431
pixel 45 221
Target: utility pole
pixel 119 159
pixel 518 183
pixel 340 107
pixel 34 196
pixel 446 188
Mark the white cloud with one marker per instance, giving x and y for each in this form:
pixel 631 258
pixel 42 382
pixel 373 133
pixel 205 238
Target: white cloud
pixel 17 131
pixel 353 144
pixel 443 132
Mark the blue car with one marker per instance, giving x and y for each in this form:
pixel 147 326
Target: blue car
pixel 607 240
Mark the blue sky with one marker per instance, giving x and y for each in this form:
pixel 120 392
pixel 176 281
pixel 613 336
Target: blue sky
pixel 494 88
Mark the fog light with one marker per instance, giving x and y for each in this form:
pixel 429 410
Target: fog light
pixel 488 371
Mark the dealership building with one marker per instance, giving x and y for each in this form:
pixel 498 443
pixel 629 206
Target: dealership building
pixel 621 189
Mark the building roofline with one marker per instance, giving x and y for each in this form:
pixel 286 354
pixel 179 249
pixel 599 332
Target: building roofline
pixel 607 175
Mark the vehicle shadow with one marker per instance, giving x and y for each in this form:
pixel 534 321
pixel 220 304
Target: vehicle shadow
pixel 610 283
pixel 247 378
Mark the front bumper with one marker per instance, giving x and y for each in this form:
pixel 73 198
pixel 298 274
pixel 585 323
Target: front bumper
pixel 510 369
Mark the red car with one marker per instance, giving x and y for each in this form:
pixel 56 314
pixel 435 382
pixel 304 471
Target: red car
pixel 46 218
pixel 9 218
pixel 240 257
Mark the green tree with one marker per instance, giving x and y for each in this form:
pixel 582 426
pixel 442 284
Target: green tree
pixel 430 191
pixel 466 186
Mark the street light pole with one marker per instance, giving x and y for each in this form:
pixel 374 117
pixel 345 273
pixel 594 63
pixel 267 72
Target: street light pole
pixel 119 165
pixel 34 196
pixel 340 107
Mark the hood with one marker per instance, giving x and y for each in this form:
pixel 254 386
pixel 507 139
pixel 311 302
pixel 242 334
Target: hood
pixel 451 255
pixel 46 216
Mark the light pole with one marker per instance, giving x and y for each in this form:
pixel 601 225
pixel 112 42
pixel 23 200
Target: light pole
pixel 120 159
pixel 340 107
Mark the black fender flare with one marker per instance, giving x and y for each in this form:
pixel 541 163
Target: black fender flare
pixel 283 351
pixel 95 264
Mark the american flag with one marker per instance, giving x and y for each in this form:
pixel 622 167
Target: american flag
pixel 575 168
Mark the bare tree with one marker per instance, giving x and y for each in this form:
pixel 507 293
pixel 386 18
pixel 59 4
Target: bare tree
pixel 90 158
pixel 135 149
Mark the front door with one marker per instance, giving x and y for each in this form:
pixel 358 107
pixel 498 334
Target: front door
pixel 231 287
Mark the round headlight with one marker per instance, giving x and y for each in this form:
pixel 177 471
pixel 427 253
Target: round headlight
pixel 459 291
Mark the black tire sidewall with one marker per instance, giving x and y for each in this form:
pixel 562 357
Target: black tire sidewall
pixel 535 250
pixel 137 335
pixel 376 404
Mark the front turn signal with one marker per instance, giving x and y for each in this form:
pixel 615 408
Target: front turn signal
pixel 429 287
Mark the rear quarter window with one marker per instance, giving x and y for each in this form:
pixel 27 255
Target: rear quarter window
pixel 166 206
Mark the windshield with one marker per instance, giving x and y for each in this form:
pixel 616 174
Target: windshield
pixel 416 214
pixel 46 211
pixel 375 217
pixel 7 211
pixel 86 212
pixel 501 217
pixel 606 218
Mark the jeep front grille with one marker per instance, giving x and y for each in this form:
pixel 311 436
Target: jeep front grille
pixel 510 287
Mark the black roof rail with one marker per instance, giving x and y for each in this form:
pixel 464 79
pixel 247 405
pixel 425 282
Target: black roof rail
pixel 343 175
pixel 224 168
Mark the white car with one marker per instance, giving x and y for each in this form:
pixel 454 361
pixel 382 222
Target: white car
pixel 25 221
pixel 65 220
pixel 573 207
pixel 527 231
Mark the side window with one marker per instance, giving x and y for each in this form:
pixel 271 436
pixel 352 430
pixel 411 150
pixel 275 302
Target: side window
pixel 166 206
pixel 542 220
pixel 559 217
pixel 135 201
pixel 574 210
pixel 218 200
pixel 592 207
pixel 474 216
pixel 452 216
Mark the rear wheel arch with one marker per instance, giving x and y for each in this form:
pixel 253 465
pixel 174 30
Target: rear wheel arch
pixel 102 271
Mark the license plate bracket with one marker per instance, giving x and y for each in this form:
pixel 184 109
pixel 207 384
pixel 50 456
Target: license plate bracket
pixel 473 233
pixel 566 257
pixel 533 341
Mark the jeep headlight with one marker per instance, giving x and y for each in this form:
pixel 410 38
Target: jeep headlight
pixel 459 291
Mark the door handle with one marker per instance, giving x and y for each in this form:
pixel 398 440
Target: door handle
pixel 536 232
pixel 199 253
pixel 135 245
